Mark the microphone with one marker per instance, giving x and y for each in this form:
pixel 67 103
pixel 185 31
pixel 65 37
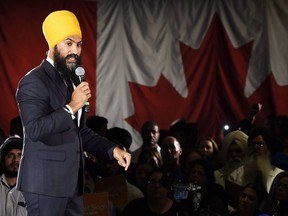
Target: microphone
pixel 80 72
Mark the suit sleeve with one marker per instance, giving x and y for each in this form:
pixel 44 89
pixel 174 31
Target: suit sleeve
pixel 40 119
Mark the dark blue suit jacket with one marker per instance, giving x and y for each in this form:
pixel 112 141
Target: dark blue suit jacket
pixel 53 144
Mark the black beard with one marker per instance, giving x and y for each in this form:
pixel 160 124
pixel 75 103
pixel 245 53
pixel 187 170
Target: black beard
pixel 10 174
pixel 66 71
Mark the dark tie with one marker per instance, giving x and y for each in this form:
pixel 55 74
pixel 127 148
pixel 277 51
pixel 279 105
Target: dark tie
pixel 70 86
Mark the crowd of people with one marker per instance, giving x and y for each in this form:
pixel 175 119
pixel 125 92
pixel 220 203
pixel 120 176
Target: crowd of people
pixel 247 174
pixel 240 176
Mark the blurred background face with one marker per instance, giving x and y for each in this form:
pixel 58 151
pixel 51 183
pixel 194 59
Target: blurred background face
pixel 155 186
pixel 170 150
pixel 206 148
pixel 258 146
pixel 141 174
pixel 150 135
pixel 281 192
pixel 248 200
pixel 190 158
pixel 197 175
pixel 235 154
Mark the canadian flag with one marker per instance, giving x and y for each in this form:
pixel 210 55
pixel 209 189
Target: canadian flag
pixel 205 61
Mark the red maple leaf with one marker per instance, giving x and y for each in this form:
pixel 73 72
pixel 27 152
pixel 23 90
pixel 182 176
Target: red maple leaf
pixel 215 75
pixel 273 98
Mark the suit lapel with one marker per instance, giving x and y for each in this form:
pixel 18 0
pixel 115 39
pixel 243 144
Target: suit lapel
pixel 57 79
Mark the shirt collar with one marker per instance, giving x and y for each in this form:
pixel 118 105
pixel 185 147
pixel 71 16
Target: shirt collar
pixel 50 61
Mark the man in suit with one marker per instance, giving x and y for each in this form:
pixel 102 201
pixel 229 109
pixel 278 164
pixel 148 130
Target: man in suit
pixel 51 175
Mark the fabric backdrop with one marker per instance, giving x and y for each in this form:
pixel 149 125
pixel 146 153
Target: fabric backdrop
pixel 205 61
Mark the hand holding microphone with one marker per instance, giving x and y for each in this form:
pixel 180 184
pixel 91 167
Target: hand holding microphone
pixel 80 72
pixel 81 93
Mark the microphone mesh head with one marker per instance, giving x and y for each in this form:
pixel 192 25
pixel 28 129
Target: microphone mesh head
pixel 79 71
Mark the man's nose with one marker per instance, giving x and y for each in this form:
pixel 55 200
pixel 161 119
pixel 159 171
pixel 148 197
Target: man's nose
pixel 74 49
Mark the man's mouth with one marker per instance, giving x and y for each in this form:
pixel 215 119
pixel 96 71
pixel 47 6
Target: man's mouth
pixel 71 60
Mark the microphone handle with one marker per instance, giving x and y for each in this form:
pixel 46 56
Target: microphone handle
pixel 87 106
pixel 87 103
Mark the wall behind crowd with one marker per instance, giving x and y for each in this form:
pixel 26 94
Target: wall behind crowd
pixel 205 61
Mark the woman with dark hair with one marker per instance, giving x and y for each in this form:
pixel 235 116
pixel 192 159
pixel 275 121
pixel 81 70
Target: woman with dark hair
pixel 276 203
pixel 249 200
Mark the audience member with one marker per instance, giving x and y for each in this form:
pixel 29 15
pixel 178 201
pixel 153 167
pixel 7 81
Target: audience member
pixel 209 150
pixel 12 201
pixel 207 197
pixel 276 203
pixel 156 200
pixel 234 151
pixel 262 147
pixel 171 152
pixel 250 200
pixel 140 175
pixel 187 159
pixel 150 133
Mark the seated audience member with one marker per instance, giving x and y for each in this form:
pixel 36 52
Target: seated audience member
pixel 156 200
pixel 262 148
pixel 209 150
pixel 250 200
pixel 276 203
pixel 207 198
pixel 12 201
pixel 234 151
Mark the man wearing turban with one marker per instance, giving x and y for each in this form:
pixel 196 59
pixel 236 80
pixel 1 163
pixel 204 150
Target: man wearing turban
pixel 234 151
pixel 51 107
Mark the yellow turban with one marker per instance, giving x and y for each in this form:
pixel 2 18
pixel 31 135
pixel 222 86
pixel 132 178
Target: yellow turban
pixel 59 25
